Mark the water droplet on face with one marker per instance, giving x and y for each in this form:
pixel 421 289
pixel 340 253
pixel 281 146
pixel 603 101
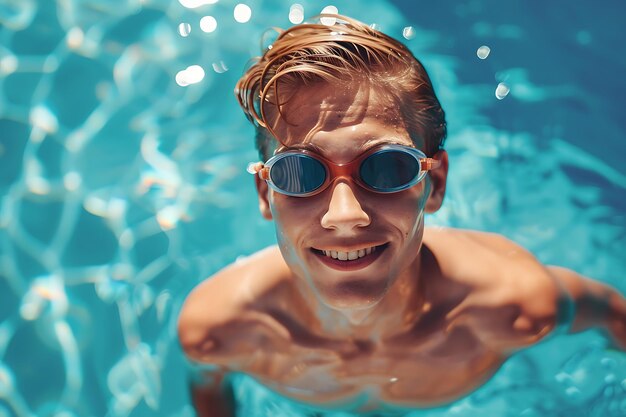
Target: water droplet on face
pixel 483 52
pixel 502 90
pixel 242 13
pixel 296 13
pixel 208 24
pixel 184 29
pixel 408 32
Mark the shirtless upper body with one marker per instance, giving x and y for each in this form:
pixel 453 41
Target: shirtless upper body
pixel 481 298
pixel 359 306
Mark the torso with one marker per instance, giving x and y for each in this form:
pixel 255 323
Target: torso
pixel 445 354
pixel 372 375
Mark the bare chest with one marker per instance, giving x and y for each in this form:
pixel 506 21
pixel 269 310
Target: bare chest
pixel 368 375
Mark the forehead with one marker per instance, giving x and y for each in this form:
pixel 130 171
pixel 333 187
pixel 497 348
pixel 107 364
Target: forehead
pixel 310 112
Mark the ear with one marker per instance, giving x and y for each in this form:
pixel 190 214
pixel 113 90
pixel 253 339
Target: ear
pixel 438 178
pixel 263 192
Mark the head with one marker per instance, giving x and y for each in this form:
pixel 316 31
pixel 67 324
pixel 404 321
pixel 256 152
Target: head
pixel 339 91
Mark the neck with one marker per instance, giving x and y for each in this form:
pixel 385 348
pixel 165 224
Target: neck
pixel 399 308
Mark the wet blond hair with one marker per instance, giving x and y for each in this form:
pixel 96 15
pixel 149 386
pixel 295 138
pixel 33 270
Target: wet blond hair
pixel 350 51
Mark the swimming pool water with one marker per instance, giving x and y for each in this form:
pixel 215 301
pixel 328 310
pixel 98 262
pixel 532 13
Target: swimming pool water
pixel 123 184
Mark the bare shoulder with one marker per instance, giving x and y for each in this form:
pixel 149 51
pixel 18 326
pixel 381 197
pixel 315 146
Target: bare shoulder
pixel 481 255
pixel 503 281
pixel 225 302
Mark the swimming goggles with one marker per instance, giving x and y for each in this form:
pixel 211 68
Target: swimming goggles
pixel 383 169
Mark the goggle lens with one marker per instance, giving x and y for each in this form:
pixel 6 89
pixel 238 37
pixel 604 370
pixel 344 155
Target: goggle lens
pixel 298 174
pixel 389 170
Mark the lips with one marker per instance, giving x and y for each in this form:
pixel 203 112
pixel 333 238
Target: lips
pixel 349 259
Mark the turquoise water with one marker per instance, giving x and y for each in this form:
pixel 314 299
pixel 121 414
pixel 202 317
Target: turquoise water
pixel 120 188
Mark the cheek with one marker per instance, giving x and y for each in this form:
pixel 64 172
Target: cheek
pixel 292 216
pixel 405 206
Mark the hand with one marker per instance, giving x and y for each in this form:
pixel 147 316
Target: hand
pixel 617 330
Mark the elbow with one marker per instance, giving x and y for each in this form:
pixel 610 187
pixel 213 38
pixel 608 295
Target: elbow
pixel 193 337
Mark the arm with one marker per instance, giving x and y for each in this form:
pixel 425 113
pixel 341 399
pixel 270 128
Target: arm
pixel 209 306
pixel 596 305
pixel 212 394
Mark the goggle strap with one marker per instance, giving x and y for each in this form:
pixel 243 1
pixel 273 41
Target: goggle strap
pixel 259 168
pixel 427 164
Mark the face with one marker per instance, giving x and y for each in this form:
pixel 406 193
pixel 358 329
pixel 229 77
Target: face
pixel 384 231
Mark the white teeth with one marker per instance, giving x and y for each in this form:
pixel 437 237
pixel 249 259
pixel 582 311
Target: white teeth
pixel 349 256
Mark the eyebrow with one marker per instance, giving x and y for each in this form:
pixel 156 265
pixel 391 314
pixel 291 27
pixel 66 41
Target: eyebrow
pixel 364 147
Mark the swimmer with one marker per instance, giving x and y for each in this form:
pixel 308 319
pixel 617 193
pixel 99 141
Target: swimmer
pixel 360 307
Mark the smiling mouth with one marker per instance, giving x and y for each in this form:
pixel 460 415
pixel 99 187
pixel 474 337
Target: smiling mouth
pixel 358 258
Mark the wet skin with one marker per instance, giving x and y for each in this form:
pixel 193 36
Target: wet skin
pixel 423 320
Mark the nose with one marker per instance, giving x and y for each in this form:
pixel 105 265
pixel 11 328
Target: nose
pixel 344 210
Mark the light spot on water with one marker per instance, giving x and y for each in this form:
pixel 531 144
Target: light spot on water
pixel 38 185
pixel 329 21
pixel 184 29
pixel 502 90
pixel 127 239
pixel 44 291
pixel 509 31
pixel 219 67
pixel 483 52
pixel 296 13
pixel 47 292
pixel 122 271
pixel 103 90
pixel 168 217
pixel 242 13
pixel 6 381
pixel 75 38
pixel 162 303
pixel 192 75
pixel 42 118
pixel 51 64
pixel 193 4
pixel 8 64
pixel 408 32
pixel 583 37
pixel 95 206
pixel 208 24
pixel 72 181
pixel 30 311
pixel 116 208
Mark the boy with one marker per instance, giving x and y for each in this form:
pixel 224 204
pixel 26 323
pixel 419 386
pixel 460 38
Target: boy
pixel 360 307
